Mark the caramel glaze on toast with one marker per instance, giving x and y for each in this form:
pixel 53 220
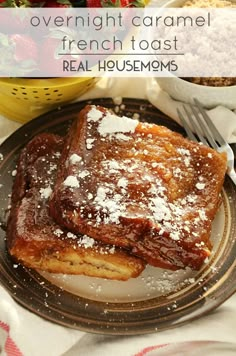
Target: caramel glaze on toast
pixel 34 239
pixel 139 186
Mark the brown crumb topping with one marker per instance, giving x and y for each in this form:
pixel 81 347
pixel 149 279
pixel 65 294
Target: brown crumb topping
pixel 213 81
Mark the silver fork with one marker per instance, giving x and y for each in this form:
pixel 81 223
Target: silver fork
pixel 201 123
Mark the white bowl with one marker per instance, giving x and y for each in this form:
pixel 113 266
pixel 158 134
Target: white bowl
pixel 210 97
pixel 182 90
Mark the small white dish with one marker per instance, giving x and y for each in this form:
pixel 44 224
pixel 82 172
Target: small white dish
pixel 184 91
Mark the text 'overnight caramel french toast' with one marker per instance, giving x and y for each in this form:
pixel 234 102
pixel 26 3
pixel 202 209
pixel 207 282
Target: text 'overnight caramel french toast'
pixel 139 186
pixel 35 240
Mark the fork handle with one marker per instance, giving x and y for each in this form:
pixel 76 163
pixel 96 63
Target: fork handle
pixel 233 146
pixel 232 175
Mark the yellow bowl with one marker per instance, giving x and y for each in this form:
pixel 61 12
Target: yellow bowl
pixel 23 99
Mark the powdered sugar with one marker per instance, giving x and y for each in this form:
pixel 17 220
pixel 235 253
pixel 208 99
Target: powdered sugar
pixel 122 182
pixel 183 151
pixel 86 242
pixel 120 136
pixel 90 196
pixel 117 100
pixel 109 204
pixel 111 124
pixel 45 192
pixel 94 114
pixel 74 158
pixel 58 232
pixel 89 143
pixel 70 235
pixel 72 182
pixel 200 186
pixel 113 165
pixel 202 215
pixel 84 174
pixel 160 209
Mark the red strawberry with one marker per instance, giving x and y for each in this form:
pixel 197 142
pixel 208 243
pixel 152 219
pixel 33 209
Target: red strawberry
pixel 94 3
pixel 18 54
pixel 48 61
pixel 24 48
pixel 57 3
pixel 115 3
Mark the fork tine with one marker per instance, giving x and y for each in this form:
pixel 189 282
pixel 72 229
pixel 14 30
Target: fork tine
pixel 186 127
pixel 203 126
pixel 200 120
pixel 195 124
pixel 212 129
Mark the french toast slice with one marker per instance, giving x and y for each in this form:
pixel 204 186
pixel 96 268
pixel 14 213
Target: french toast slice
pixel 35 240
pixel 139 186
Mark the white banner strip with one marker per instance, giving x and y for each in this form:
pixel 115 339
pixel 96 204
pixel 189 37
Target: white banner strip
pixel 184 42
